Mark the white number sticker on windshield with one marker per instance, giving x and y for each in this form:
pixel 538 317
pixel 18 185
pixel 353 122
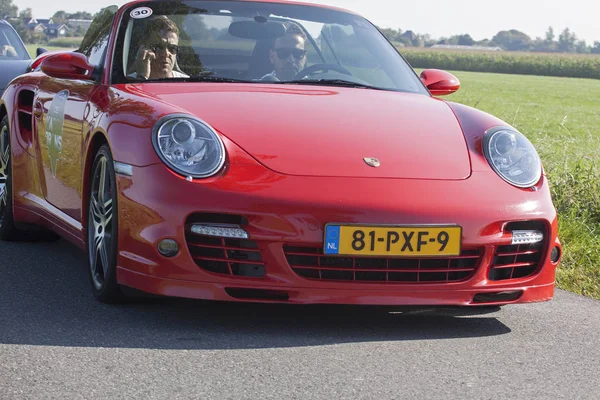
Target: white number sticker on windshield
pixel 141 12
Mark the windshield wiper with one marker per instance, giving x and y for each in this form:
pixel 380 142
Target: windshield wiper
pixel 331 82
pixel 192 79
pixel 208 78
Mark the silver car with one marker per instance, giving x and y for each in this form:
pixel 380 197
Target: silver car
pixel 14 58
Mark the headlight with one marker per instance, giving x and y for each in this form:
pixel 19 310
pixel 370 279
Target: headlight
pixel 512 156
pixel 188 145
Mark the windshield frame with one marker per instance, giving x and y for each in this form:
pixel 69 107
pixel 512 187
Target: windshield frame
pixel 116 62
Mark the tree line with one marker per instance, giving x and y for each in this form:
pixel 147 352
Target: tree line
pixel 511 40
pixel 10 11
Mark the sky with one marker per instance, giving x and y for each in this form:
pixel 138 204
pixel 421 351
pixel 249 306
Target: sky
pixel 480 18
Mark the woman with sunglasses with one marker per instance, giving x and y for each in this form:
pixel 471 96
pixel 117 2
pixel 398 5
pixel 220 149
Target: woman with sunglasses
pixel 288 54
pixel 157 58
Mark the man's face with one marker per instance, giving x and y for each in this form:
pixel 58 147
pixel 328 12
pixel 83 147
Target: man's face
pixel 165 47
pixel 288 56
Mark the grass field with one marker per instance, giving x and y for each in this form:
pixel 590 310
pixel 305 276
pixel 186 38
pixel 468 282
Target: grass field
pixel 504 62
pixel 31 48
pixel 561 116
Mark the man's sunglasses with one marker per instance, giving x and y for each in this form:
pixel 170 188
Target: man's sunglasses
pixel 285 53
pixel 171 48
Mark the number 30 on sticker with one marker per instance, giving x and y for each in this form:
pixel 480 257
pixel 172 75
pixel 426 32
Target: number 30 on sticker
pixel 141 12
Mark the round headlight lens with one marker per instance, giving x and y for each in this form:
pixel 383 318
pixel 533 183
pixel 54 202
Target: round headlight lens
pixel 189 146
pixel 505 143
pixel 183 132
pixel 512 156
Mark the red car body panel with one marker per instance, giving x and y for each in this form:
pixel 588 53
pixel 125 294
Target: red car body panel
pixel 293 142
pixel 298 208
pixel 294 164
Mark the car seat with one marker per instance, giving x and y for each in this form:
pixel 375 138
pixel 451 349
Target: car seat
pixel 260 62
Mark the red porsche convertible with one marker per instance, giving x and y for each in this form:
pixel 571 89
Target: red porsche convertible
pixel 271 151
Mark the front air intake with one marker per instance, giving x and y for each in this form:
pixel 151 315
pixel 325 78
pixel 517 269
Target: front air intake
pixel 220 255
pixel 497 297
pixel 519 260
pixel 311 263
pixel 257 294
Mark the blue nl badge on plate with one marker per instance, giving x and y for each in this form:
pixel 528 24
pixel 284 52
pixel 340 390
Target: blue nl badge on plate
pixel 332 239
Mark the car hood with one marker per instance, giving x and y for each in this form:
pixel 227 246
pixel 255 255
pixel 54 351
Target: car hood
pixel 9 70
pixel 318 131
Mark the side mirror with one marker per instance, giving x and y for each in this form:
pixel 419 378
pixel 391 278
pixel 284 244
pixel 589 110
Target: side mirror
pixel 39 51
pixel 440 83
pixel 67 66
pixel 37 61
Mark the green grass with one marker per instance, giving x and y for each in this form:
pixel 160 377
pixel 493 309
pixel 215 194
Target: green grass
pixel 522 63
pixel 31 48
pixel 561 117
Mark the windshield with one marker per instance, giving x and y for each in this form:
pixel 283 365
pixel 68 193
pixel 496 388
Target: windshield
pixel 11 47
pixel 256 42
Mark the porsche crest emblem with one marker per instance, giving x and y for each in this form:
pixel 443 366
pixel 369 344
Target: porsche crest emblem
pixel 372 162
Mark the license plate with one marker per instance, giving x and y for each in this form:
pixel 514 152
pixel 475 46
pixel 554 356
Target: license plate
pixel 406 241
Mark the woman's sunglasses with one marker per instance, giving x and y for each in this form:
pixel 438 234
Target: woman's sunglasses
pixel 285 53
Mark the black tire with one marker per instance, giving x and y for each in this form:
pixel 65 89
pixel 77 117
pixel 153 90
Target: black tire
pixel 8 231
pixel 102 229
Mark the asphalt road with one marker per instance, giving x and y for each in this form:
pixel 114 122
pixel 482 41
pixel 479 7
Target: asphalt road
pixel 56 341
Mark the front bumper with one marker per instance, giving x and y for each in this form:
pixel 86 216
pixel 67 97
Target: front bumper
pixel 154 204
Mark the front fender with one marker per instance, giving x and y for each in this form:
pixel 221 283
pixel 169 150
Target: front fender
pixel 474 123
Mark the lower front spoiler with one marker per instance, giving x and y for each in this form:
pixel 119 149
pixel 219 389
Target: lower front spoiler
pixel 300 295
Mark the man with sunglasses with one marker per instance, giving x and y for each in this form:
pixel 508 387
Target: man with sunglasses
pixel 288 54
pixel 157 58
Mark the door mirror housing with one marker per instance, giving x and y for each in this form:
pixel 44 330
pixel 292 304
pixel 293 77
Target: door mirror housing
pixel 67 65
pixel 440 83
pixel 40 50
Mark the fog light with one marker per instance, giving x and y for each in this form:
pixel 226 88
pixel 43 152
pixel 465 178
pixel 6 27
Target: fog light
pixel 555 255
pixel 168 248
pixel 220 230
pixel 527 237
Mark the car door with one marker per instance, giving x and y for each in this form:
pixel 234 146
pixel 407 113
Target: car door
pixel 64 109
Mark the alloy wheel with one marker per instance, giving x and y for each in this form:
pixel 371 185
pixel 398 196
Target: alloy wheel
pixel 100 226
pixel 4 165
